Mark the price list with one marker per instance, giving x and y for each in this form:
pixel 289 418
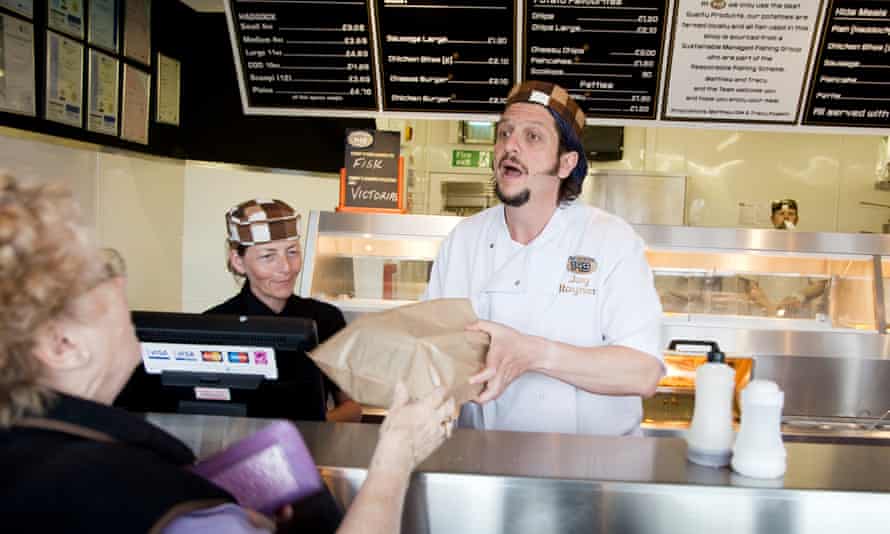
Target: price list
pixel 446 57
pixel 851 83
pixel 606 53
pixel 304 53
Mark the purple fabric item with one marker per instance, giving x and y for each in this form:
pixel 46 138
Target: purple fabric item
pixel 265 471
pixel 222 519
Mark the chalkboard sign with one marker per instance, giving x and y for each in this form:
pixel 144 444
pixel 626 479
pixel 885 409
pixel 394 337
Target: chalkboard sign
pixel 446 57
pixel 371 179
pixel 851 81
pixel 307 54
pixel 606 54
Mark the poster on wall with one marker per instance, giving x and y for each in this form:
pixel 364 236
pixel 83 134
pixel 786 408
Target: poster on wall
pixel 17 86
pixel 22 7
pixel 134 111
pixel 66 16
pixel 137 30
pixel 739 61
pixel 64 80
pixel 852 72
pixel 168 90
pixel 102 107
pixel 606 55
pixel 446 57
pixel 104 26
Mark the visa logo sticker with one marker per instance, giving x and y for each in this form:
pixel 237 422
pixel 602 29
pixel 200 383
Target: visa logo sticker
pixel 158 354
pixel 581 265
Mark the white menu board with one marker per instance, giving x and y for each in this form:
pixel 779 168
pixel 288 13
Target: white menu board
pixel 739 61
pixel 102 110
pixel 134 116
pixel 64 80
pixel 17 93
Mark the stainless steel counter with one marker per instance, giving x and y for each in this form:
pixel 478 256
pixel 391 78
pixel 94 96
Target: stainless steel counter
pixel 528 482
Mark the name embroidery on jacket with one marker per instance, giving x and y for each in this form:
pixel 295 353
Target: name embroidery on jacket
pixel 581 268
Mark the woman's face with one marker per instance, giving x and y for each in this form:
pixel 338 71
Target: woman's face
pixel 101 326
pixel 272 269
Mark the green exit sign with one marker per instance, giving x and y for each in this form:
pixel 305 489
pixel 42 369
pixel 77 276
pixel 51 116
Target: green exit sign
pixel 480 159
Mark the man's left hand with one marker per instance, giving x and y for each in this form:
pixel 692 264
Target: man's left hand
pixel 507 359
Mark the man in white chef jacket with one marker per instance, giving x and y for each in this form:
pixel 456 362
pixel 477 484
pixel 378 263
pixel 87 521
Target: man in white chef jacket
pixel 562 288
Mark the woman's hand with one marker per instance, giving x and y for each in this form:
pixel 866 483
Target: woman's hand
pixel 413 429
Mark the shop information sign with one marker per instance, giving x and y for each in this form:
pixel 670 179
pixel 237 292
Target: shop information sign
pixel 606 54
pixel 372 177
pixel 739 61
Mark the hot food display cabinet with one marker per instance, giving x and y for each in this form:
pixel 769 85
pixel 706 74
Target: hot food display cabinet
pixel 806 310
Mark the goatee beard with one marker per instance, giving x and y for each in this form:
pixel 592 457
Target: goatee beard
pixel 519 199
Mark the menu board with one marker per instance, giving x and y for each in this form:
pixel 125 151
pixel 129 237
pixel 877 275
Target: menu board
pixel 371 176
pixel 303 54
pixel 739 61
pixel 606 53
pixel 437 56
pixel 852 72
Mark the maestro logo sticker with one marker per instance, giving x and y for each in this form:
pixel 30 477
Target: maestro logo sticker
pixel 360 139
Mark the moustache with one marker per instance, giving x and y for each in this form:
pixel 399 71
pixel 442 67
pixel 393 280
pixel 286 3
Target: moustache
pixel 507 158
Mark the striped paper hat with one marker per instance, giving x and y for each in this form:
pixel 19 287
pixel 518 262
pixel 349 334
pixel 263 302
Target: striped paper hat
pixel 260 221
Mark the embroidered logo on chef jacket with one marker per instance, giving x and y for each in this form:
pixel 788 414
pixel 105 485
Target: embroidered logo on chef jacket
pixel 580 269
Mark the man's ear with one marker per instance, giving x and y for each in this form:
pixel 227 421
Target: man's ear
pixel 567 163
pixel 58 348
pixel 237 262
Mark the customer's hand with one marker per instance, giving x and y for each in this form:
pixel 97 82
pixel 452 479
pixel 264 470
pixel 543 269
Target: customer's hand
pixel 413 429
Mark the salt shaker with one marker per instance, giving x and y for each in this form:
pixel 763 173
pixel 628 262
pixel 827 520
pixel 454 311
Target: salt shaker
pixel 759 451
pixel 710 436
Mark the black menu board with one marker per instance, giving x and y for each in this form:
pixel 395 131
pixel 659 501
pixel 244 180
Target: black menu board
pixel 606 53
pixel 303 54
pixel 851 84
pixel 455 56
pixel 371 179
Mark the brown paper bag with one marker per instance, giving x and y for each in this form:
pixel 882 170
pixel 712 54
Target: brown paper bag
pixel 424 345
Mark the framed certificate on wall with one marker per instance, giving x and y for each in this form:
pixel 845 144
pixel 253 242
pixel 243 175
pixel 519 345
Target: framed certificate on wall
pixel 64 80
pixel 102 107
pixel 17 85
pixel 134 109
pixel 22 7
pixel 66 16
pixel 168 90
pixel 137 30
pixel 104 25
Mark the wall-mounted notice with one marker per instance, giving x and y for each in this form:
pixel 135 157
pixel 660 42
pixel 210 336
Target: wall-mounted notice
pixel 17 92
pixel 302 54
pixel 22 7
pixel 64 80
pixel 103 29
pixel 103 93
pixel 137 30
pixel 739 61
pixel 66 16
pixel 168 91
pixel 851 83
pixel 134 109
pixel 437 56
pixel 606 53
pixel 371 179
